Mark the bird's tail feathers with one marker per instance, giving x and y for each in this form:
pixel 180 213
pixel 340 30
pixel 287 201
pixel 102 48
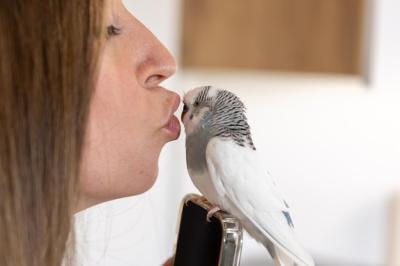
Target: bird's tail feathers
pixel 283 257
pixel 278 259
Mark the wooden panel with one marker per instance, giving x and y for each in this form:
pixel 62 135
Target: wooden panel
pixel 294 35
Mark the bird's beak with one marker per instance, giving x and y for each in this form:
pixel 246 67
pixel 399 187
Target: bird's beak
pixel 184 111
pixel 183 114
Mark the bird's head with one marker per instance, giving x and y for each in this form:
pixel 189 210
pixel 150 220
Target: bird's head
pixel 197 106
pixel 218 112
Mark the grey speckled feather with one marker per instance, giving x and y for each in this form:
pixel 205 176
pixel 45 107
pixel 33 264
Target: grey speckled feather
pixel 226 118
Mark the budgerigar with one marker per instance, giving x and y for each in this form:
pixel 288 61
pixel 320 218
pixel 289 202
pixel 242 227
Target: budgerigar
pixel 224 165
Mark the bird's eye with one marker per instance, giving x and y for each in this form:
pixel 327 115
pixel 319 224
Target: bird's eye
pixel 196 103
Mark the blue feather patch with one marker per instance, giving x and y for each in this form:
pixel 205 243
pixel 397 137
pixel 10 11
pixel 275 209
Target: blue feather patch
pixel 288 218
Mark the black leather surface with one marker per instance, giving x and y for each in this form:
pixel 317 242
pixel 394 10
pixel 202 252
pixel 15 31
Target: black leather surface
pixel 199 241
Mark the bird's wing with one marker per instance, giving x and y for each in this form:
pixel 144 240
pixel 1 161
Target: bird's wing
pixel 242 183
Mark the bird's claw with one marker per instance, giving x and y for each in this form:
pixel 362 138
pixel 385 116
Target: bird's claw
pixel 211 212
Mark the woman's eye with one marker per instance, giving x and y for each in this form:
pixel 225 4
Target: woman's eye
pixel 113 31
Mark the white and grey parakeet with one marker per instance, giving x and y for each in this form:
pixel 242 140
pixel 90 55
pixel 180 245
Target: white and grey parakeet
pixel 224 165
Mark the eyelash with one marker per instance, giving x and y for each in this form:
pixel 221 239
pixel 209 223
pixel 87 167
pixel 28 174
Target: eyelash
pixel 113 31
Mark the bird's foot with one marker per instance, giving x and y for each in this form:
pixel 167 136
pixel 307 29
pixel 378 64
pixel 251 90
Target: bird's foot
pixel 211 212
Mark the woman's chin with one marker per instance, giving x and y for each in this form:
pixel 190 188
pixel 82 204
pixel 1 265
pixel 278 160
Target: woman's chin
pixel 148 182
pixel 144 181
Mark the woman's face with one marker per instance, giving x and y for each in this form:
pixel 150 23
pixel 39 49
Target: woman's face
pixel 130 116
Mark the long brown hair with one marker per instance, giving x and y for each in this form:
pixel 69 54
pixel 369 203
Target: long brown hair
pixel 49 51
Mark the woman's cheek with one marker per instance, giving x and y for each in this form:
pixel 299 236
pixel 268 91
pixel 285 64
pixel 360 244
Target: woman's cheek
pixel 148 174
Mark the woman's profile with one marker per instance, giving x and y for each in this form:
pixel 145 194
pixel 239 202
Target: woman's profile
pixel 82 118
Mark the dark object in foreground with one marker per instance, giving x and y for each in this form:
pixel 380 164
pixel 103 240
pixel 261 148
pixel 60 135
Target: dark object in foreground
pixel 203 243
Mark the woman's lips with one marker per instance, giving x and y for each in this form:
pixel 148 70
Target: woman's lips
pixel 174 127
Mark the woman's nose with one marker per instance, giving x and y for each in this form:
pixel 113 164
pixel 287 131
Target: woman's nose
pixel 156 63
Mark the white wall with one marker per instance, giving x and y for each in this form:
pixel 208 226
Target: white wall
pixel 385 43
pixel 332 143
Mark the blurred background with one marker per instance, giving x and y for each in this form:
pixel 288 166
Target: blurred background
pixel 321 81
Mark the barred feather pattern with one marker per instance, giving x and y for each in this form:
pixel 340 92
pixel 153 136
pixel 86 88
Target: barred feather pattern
pixel 227 118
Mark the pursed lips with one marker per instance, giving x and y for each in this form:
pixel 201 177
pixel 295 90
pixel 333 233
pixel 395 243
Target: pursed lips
pixel 173 109
pixel 173 126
